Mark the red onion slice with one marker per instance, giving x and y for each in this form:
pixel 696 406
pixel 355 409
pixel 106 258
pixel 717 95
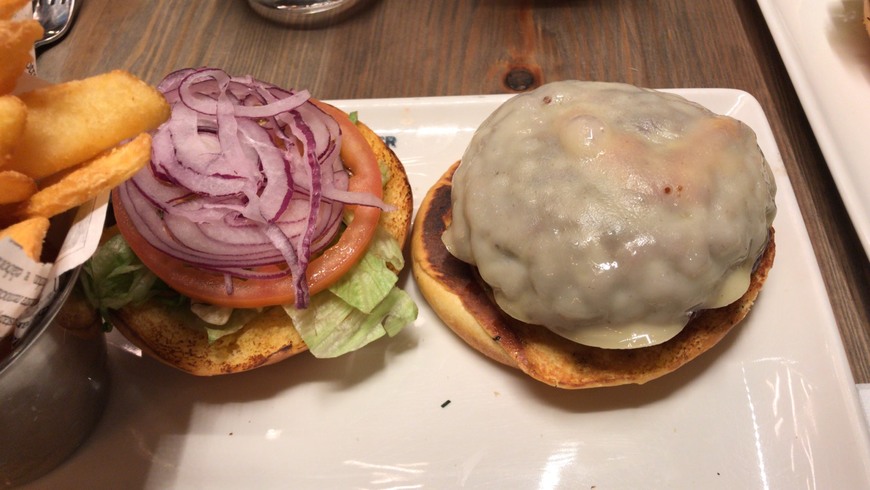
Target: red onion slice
pixel 243 175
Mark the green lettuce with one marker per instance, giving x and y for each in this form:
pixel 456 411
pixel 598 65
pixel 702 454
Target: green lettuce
pixel 114 277
pixel 221 320
pixel 363 306
pixel 369 282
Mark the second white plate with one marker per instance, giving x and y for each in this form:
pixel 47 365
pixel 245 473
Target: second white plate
pixel 826 51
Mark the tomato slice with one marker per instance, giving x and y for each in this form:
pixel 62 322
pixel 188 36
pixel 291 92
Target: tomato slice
pixel 365 176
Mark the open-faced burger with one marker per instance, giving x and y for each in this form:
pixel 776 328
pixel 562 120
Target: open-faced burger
pixel 267 224
pixel 598 234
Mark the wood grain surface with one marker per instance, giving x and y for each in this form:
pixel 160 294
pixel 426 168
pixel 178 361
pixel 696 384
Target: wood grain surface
pixel 399 48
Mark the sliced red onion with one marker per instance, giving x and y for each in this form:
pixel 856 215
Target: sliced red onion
pixel 243 175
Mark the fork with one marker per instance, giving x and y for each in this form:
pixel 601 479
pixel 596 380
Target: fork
pixel 56 17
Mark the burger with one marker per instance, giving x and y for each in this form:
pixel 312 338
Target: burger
pixel 597 234
pixel 266 224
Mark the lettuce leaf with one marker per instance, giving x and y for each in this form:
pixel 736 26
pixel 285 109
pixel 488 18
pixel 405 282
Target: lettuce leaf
pixel 364 306
pixel 331 327
pixel 369 282
pixel 114 277
pixel 235 321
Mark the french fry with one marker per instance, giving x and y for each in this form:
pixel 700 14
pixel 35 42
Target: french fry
pixel 90 179
pixel 16 43
pixel 71 122
pixel 63 145
pixel 29 234
pixel 16 187
pixel 8 8
pixel 13 114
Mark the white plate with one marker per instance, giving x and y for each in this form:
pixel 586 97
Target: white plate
pixel 773 406
pixel 826 51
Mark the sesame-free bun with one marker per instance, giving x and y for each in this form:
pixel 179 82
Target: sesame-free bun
pixel 458 296
pixel 163 332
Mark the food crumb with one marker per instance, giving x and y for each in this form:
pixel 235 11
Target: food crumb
pixel 445 404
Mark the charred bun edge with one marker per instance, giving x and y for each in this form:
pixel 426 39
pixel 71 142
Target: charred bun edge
pixel 464 304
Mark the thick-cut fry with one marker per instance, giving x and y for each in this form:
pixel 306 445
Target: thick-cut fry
pixel 29 234
pixel 62 145
pixel 93 177
pixel 16 44
pixel 8 8
pixel 15 186
pixel 13 114
pixel 74 121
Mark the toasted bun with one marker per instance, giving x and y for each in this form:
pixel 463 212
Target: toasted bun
pixel 162 331
pixel 459 298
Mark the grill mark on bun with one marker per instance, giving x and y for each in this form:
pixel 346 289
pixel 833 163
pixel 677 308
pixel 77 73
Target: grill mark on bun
pixel 457 276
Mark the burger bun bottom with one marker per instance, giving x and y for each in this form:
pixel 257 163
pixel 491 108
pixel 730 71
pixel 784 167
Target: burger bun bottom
pixel 458 296
pixel 163 331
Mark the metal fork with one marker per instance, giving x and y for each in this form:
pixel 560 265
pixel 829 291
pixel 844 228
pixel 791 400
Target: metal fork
pixel 56 17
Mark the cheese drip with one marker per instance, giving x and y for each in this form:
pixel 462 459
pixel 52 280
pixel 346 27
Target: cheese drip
pixel 610 213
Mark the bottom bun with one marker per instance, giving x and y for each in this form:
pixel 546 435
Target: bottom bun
pixel 459 298
pixel 162 330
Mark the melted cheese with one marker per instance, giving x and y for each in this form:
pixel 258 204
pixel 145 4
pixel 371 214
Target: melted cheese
pixel 610 213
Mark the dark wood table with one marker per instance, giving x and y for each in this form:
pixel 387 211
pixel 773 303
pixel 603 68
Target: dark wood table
pixel 399 48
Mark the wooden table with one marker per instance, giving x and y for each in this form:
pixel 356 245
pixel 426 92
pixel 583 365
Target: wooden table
pixel 399 48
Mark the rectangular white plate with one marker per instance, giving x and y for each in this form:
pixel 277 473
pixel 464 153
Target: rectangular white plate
pixel 826 51
pixel 773 406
